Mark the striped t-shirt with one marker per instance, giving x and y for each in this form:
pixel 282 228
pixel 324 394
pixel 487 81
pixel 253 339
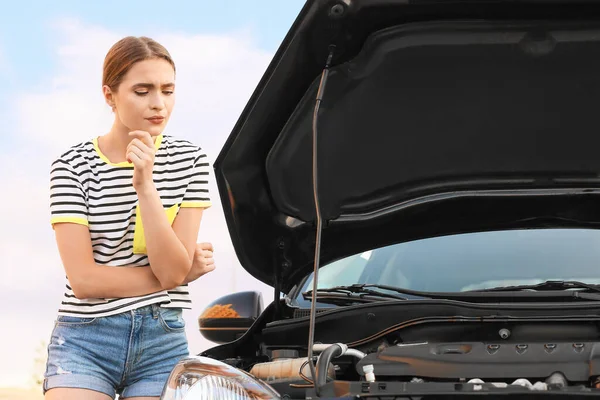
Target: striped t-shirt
pixel 86 188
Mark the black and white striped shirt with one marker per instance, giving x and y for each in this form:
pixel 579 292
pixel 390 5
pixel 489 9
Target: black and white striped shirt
pixel 86 188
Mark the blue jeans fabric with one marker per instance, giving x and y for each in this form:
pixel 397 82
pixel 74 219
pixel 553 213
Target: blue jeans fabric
pixel 131 353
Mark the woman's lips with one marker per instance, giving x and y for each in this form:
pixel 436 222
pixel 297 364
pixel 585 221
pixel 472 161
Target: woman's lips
pixel 156 120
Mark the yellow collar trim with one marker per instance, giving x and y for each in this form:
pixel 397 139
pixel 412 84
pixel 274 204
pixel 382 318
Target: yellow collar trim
pixel 157 143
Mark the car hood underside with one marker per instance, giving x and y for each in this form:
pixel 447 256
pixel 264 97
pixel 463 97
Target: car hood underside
pixel 428 126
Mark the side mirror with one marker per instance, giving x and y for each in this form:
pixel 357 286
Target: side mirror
pixel 229 317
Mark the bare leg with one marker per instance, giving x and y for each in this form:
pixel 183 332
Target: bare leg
pixel 141 398
pixel 75 394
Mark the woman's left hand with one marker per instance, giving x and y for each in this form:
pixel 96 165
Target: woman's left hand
pixel 140 152
pixel 203 262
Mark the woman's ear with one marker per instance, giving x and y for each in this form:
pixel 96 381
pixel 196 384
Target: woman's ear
pixel 108 97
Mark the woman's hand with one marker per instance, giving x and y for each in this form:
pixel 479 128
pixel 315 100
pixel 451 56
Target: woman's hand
pixel 203 262
pixel 140 152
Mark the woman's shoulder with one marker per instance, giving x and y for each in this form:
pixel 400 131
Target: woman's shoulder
pixel 176 145
pixel 75 159
pixel 76 154
pixel 174 141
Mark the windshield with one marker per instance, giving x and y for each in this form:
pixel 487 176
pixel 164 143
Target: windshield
pixel 473 261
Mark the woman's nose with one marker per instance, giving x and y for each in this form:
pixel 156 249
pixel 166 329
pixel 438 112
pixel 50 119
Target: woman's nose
pixel 157 102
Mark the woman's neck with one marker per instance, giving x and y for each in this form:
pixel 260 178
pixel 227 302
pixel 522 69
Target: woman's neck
pixel 114 144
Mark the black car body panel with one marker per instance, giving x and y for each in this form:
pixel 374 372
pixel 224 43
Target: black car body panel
pixel 437 118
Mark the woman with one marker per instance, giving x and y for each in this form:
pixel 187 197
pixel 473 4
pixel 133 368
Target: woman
pixel 126 210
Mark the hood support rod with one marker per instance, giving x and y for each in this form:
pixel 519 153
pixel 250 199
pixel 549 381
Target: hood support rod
pixel 311 332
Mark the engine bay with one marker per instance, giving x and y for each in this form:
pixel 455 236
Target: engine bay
pixel 454 354
pixel 533 365
pixel 474 366
pixel 426 349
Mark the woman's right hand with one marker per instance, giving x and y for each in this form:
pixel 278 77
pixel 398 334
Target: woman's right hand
pixel 203 262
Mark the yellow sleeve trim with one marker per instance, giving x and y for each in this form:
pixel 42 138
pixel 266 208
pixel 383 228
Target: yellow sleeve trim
pixel 196 204
pixel 74 220
pixel 139 238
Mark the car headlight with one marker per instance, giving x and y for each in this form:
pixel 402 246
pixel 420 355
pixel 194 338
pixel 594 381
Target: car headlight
pixel 203 378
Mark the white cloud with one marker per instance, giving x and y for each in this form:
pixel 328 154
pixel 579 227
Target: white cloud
pixel 216 76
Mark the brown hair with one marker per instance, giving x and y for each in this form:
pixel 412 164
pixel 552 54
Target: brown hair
pixel 128 51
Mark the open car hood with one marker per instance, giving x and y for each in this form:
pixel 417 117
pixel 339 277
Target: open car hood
pixel 436 118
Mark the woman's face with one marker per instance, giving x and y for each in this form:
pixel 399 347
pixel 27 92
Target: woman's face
pixel 145 98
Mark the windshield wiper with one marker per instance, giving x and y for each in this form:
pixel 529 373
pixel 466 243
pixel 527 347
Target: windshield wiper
pixel 549 285
pixel 358 292
pixel 361 292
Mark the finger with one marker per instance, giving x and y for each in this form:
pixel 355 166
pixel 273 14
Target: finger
pixel 206 246
pixel 138 152
pixel 129 147
pixel 141 145
pixel 136 141
pixel 134 159
pixel 209 261
pixel 209 268
pixel 207 253
pixel 143 136
pixel 139 134
pixel 148 151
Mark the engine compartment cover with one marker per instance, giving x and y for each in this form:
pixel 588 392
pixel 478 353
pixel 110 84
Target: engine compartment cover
pixel 577 361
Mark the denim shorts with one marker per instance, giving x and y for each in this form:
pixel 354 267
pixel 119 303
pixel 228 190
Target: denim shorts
pixel 131 353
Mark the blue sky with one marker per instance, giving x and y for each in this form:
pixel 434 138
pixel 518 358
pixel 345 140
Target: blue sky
pixel 51 54
pixel 26 35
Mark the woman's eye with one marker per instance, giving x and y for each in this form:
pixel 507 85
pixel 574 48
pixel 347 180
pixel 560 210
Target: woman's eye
pixel 141 93
pixel 168 92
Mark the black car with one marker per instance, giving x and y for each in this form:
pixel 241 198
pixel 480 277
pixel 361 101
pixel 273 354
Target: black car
pixel 420 179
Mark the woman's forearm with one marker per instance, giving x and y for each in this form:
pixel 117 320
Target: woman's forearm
pixel 103 281
pixel 169 259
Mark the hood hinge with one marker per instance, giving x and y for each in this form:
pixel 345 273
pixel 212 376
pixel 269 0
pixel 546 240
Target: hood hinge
pixel 282 263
